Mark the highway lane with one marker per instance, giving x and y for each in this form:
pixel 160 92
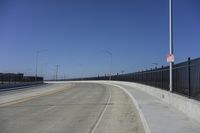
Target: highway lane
pixel 81 108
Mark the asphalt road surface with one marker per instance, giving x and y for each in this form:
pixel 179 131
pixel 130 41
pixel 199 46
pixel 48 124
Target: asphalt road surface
pixel 81 108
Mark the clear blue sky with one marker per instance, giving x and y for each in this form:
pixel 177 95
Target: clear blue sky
pixel 75 32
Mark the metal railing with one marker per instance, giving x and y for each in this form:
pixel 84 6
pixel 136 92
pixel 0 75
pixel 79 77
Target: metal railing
pixel 10 80
pixel 186 78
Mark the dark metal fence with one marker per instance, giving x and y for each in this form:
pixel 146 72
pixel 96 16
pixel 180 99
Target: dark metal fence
pixel 9 80
pixel 186 78
pixel 18 77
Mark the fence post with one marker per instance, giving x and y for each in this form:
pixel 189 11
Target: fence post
pixel 189 78
pixel 9 78
pixel 146 82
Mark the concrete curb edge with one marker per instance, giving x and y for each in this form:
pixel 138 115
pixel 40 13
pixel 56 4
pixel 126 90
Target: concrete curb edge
pixel 144 122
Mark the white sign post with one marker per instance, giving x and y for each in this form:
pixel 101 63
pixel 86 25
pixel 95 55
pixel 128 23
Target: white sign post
pixel 170 57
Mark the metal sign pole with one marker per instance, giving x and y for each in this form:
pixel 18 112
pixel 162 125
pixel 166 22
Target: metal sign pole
pixel 170 45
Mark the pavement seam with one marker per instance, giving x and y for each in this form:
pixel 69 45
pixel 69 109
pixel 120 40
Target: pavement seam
pixel 144 121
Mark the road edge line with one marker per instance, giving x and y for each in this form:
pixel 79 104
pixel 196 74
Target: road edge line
pixel 102 114
pixel 144 121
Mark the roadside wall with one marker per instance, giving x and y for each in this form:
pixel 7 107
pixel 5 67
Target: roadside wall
pixel 188 106
pixel 16 85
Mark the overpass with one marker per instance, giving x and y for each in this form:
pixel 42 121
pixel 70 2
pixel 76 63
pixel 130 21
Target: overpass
pixel 97 106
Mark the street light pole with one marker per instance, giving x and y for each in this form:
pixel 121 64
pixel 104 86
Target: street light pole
pixel 170 44
pixel 155 64
pixel 111 67
pixel 82 71
pixel 122 71
pixel 36 67
pixel 57 66
pixel 42 68
pixel 109 53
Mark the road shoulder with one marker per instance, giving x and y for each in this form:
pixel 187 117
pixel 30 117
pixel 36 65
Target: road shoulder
pixel 161 117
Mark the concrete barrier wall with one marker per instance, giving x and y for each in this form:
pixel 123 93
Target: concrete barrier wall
pixel 188 106
pixel 14 86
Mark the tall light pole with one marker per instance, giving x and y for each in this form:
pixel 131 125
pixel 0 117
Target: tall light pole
pixel 37 58
pixel 170 45
pixel 42 68
pixel 122 71
pixel 109 53
pixel 64 76
pixel 57 66
pixel 82 70
pixel 155 64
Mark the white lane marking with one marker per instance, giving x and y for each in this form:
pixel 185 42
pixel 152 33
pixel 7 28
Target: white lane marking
pixel 101 116
pixel 146 126
pixel 43 111
pixel 46 110
pixel 52 107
